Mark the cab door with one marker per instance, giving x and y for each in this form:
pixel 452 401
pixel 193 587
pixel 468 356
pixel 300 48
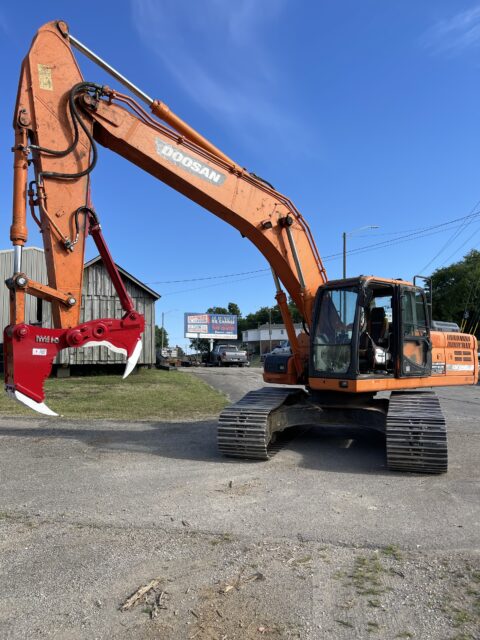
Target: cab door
pixel 415 352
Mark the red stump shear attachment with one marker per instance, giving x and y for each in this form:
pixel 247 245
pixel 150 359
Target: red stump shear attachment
pixel 29 351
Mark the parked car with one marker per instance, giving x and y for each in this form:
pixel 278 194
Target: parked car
pixel 224 355
pixel 281 349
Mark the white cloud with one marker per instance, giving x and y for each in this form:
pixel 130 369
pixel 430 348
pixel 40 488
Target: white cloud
pixel 455 34
pixel 3 24
pixel 214 49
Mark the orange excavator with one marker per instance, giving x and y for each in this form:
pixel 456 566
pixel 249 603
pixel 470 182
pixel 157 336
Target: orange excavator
pixel 361 335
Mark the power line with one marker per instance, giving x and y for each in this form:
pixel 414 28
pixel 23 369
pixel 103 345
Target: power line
pixel 227 275
pixel 414 234
pixel 469 239
pixel 427 231
pixel 209 286
pixel 467 221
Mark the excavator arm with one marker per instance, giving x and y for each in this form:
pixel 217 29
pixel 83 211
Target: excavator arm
pixel 59 119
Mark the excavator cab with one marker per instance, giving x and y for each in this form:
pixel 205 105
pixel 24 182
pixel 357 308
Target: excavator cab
pixel 369 328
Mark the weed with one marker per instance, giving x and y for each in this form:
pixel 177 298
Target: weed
pixel 392 551
pixel 366 576
pixel 338 575
pixel 374 603
pixel 226 537
pixel 460 617
pixel 303 560
pixel 344 623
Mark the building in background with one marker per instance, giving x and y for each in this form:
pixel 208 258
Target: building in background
pixel 266 336
pixel 99 300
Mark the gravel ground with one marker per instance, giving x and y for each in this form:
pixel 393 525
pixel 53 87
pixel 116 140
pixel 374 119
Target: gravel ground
pixel 320 542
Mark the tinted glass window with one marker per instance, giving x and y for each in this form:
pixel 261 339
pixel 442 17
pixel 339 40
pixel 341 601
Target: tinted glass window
pixel 414 314
pixel 333 333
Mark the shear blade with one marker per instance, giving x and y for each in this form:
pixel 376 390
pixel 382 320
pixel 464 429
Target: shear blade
pixel 39 407
pixel 105 343
pixel 133 359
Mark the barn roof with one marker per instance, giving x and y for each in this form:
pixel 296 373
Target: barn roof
pixel 151 292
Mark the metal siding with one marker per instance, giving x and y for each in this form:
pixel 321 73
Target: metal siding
pixel 33 263
pixel 99 300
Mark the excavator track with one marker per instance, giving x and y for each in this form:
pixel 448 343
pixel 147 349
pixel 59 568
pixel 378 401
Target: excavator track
pixel 416 433
pixel 245 429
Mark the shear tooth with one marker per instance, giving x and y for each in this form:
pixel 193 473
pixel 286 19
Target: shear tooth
pixel 133 359
pixel 40 407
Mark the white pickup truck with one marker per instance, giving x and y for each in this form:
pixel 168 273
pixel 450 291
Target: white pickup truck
pixel 224 355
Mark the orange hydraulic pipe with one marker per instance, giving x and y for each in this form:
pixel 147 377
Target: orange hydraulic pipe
pixel 281 299
pixel 162 111
pixel 158 108
pixel 18 230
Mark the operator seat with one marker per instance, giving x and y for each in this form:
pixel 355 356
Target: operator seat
pixel 378 325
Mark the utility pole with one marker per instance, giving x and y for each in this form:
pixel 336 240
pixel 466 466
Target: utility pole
pixel 270 327
pixel 163 331
pixel 351 233
pixel 259 340
pixel 164 313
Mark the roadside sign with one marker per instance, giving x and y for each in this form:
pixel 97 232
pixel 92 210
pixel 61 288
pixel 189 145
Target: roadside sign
pixel 211 325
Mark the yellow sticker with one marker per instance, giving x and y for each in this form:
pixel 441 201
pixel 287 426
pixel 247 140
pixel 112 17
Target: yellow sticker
pixel 45 77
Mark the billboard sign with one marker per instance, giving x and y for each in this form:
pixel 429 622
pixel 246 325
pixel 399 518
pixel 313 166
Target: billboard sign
pixel 211 325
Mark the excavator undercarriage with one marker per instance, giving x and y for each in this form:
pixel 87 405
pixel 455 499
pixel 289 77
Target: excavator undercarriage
pixel 412 422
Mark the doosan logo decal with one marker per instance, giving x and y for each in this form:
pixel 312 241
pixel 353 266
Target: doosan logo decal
pixel 173 154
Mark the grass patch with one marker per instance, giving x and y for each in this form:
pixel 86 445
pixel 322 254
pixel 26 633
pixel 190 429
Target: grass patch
pixel 366 576
pixel 392 551
pixel 460 617
pixel 149 394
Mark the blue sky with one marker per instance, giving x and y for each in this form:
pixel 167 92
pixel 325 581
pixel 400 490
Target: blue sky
pixel 362 113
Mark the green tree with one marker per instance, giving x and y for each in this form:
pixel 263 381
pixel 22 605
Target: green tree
pixel 456 292
pixel 294 312
pixel 263 315
pixel 234 309
pixel 158 337
pixel 217 310
pixel 200 345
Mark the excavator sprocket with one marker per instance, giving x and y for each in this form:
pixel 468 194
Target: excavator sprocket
pixel 245 429
pixel 416 433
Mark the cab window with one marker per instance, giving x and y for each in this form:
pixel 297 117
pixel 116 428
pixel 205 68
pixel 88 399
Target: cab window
pixel 333 333
pixel 414 314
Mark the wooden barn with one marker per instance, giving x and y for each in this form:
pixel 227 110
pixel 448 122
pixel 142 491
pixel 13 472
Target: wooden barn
pixel 99 300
